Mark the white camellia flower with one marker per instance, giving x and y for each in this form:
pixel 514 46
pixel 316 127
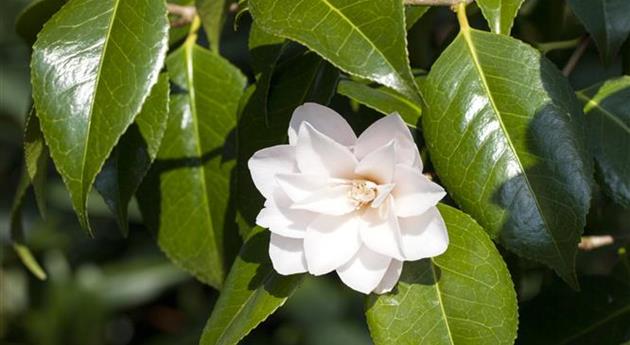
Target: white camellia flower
pixel 358 206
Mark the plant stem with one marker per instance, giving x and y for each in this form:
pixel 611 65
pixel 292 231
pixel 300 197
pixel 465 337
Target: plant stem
pixel 576 56
pixel 549 46
pixel 460 8
pixel 185 14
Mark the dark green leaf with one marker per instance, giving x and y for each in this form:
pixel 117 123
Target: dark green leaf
pixel 36 159
pixel 93 66
pixel 252 292
pixel 32 19
pixel 500 14
pixel 608 22
pixel 413 14
pixel 212 13
pixel 350 34
pixel 505 133
pixel 608 122
pixel 299 79
pixel 17 229
pixel 185 196
pixel 598 314
pixel 131 159
pixel 382 99
pixel 464 296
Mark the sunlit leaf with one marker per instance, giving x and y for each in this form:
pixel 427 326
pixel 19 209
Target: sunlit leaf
pixel 93 66
pixel 349 34
pixel 505 133
pixel 253 291
pixel 131 159
pixel 500 14
pixel 185 197
pixel 464 296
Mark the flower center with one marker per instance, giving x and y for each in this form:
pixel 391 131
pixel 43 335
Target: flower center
pixel 362 193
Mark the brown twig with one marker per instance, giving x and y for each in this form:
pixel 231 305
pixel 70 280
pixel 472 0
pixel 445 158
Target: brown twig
pixel 589 243
pixel 576 56
pixel 185 14
pixel 436 2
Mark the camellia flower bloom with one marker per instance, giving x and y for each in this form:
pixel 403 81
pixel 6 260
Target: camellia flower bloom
pixel 358 206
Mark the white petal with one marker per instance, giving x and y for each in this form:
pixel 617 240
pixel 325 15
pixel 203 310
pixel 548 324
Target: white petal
pixel 301 186
pixel 378 166
pixel 382 192
pixel 333 201
pixel 325 120
pixel 268 162
pixel 320 155
pixel 285 221
pixel 287 255
pixel 331 242
pixel 391 277
pixel 365 271
pixel 391 127
pixel 414 193
pixel 380 232
pixel 423 236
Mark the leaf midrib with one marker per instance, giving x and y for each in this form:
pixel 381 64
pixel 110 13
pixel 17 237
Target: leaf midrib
pixel 465 31
pixel 107 39
pixel 189 46
pixel 408 87
pixel 438 293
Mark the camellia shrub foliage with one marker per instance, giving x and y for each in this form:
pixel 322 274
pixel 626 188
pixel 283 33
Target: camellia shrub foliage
pixel 135 99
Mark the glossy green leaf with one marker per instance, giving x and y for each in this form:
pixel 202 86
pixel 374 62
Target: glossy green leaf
pixel 253 291
pixel 500 14
pixel 299 79
pixel 36 159
pixel 608 123
pixel 464 296
pixel 348 33
pixel 505 133
pixel 17 230
pixel 33 17
pixel 265 49
pixel 413 14
pixel 608 22
pixel 93 66
pixel 212 13
pixel 185 196
pixel 598 314
pixel 131 159
pixel 381 99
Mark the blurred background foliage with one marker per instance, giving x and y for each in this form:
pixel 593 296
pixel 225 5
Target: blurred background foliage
pixel 114 290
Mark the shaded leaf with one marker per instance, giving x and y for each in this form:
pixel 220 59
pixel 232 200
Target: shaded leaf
pixel 608 123
pixel 347 33
pixel 607 21
pixel 93 66
pixel 381 99
pixel 464 296
pixel 17 229
pixel 185 196
pixel 131 159
pixel 252 292
pixel 598 314
pixel 36 159
pixel 31 20
pixel 413 14
pixel 505 134
pixel 212 14
pixel 500 14
pixel 299 79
